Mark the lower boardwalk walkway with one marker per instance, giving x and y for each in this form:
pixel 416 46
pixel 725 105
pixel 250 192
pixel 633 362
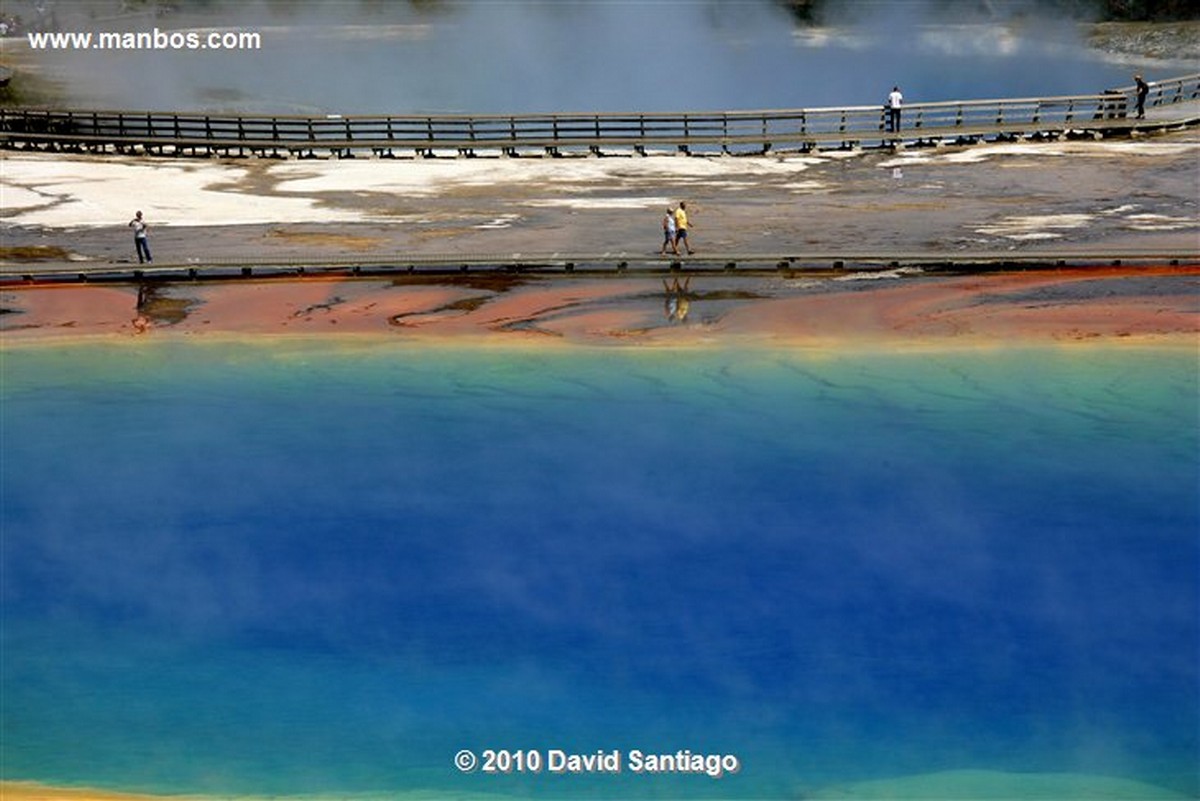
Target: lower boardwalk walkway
pixel 597 264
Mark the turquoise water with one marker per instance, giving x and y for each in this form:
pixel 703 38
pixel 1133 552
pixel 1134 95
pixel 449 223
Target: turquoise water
pixel 327 568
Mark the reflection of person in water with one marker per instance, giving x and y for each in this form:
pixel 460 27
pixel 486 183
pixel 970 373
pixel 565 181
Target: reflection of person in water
pixel 677 302
pixel 141 323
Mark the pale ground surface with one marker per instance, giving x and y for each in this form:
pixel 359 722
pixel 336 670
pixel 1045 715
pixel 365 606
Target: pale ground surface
pixel 1142 192
pixel 1064 195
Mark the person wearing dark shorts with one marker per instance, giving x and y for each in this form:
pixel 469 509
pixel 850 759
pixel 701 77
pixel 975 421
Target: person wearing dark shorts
pixel 681 228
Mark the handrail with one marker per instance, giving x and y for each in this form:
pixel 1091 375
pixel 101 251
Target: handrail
pixel 765 128
pixel 1127 90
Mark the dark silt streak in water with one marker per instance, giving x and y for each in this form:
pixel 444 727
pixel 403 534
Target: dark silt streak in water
pixel 319 568
pixel 523 57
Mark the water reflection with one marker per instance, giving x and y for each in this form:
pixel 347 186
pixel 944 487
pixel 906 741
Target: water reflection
pixel 677 301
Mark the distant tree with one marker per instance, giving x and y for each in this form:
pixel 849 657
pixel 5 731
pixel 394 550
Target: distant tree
pixel 802 10
pixel 1153 10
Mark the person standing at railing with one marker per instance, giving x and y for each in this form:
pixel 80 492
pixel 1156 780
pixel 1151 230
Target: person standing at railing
pixel 894 101
pixel 139 238
pixel 1142 90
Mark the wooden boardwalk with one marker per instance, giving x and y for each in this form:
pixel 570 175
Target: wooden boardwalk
pixel 1175 101
pixel 596 264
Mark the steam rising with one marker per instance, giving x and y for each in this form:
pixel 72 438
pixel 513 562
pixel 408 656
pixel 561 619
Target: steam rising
pixel 523 56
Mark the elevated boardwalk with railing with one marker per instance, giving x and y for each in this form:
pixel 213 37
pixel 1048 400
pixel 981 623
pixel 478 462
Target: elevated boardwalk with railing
pixel 1171 102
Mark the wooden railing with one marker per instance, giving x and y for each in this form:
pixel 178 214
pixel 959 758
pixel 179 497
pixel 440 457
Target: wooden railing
pixel 180 132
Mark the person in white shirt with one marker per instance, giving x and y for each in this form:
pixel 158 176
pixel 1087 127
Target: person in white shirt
pixel 139 238
pixel 668 225
pixel 895 100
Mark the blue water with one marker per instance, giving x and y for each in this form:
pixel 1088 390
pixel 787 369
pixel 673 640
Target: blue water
pixel 326 568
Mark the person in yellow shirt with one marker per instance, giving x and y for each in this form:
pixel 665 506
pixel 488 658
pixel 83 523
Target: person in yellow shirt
pixel 681 228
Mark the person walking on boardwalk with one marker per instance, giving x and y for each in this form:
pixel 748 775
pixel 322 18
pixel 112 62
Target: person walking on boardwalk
pixel 668 225
pixel 894 102
pixel 1143 89
pixel 139 238
pixel 681 228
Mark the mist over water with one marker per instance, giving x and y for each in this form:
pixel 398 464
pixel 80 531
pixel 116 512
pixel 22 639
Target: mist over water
pixel 601 55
